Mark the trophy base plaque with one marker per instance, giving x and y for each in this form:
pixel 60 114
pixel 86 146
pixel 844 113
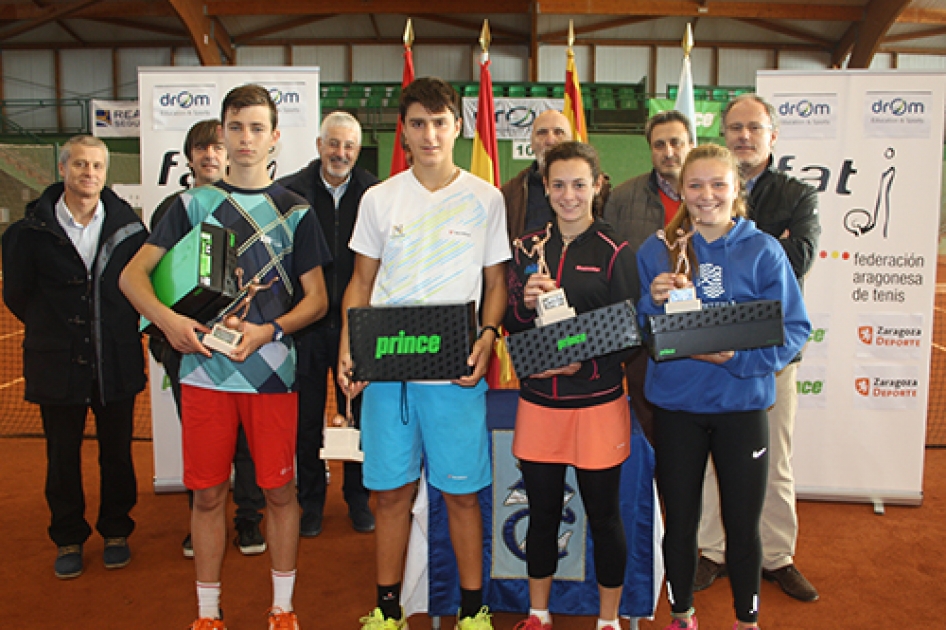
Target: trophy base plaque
pixel 342 443
pixel 716 329
pixel 552 307
pixel 411 343
pixel 589 335
pixel 222 339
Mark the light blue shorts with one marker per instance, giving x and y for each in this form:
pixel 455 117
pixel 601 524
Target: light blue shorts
pixel 443 426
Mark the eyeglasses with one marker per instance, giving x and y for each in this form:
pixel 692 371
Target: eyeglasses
pixel 753 128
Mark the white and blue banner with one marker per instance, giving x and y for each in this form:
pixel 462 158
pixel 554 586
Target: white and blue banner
pixel 871 142
pixel 171 100
pixel 114 119
pixel 431 581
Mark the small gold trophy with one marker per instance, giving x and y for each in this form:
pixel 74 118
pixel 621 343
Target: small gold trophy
pixel 341 439
pixel 681 300
pixel 226 336
pixel 551 306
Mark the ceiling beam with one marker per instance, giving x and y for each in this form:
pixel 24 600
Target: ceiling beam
pixel 600 26
pixel 223 39
pixel 776 27
pixel 279 27
pixel 844 45
pixel 675 43
pixel 922 16
pixel 48 14
pixel 374 26
pixel 472 25
pixel 407 7
pixel 903 37
pixel 200 29
pixel 676 8
pixel 61 24
pixel 138 8
pixel 879 16
pixel 161 29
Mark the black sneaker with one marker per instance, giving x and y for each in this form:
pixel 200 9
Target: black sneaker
pixel 117 553
pixel 68 562
pixel 249 538
pixel 188 547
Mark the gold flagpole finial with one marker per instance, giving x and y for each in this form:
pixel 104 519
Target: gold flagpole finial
pixel 571 33
pixel 409 33
pixel 687 42
pixel 485 37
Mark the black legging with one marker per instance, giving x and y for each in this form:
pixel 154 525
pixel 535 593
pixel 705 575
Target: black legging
pixel 600 494
pixel 739 443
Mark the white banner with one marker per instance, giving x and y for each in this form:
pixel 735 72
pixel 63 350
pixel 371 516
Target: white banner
pixel 514 116
pixel 172 100
pixel 872 143
pixel 114 119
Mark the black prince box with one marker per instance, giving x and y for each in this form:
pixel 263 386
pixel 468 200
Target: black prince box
pixel 197 277
pixel 411 343
pixel 716 329
pixel 589 335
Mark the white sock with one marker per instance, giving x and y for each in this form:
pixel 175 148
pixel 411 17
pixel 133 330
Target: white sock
pixel 614 623
pixel 208 600
pixel 543 615
pixel 284 582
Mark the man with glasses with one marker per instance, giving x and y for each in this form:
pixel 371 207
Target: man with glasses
pixel 786 208
pixel 334 185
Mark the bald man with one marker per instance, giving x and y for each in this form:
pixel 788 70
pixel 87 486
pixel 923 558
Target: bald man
pixel 527 206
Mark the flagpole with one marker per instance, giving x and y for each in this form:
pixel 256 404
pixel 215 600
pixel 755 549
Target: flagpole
pixel 686 102
pixel 398 159
pixel 574 107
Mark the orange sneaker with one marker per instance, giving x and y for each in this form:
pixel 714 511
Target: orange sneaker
pixel 206 623
pixel 279 619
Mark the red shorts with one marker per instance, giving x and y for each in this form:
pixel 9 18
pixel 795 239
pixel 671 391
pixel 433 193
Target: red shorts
pixel 209 422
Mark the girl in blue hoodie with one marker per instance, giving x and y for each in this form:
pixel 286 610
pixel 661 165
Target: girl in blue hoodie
pixel 715 404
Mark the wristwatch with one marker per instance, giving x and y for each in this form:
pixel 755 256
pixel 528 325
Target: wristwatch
pixel 277 331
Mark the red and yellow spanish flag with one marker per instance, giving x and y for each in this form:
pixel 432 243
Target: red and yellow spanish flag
pixel 398 160
pixel 485 162
pixel 574 107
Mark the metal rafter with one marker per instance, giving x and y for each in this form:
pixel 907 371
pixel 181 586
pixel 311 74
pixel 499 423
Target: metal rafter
pixel 174 31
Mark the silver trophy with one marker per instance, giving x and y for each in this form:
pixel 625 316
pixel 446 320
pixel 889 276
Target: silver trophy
pixel 551 306
pixel 225 335
pixel 681 300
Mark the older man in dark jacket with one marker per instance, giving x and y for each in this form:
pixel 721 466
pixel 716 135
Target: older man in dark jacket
pixel 82 348
pixel 333 185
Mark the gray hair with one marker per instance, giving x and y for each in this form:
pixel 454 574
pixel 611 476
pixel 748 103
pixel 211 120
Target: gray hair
pixel 81 141
pixel 769 108
pixel 340 119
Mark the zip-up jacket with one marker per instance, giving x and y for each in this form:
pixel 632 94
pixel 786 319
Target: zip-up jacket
pixel 80 328
pixel 744 265
pixel 596 270
pixel 337 227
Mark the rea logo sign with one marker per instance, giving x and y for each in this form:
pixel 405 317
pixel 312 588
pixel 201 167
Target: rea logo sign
pixel 866 334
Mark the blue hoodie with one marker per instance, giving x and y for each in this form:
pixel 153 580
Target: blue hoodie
pixel 742 266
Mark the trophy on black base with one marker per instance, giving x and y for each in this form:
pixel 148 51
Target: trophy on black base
pixel 225 335
pixel 551 306
pixel 681 300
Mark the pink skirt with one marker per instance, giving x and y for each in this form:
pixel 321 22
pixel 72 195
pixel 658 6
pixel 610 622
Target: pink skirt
pixel 592 438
